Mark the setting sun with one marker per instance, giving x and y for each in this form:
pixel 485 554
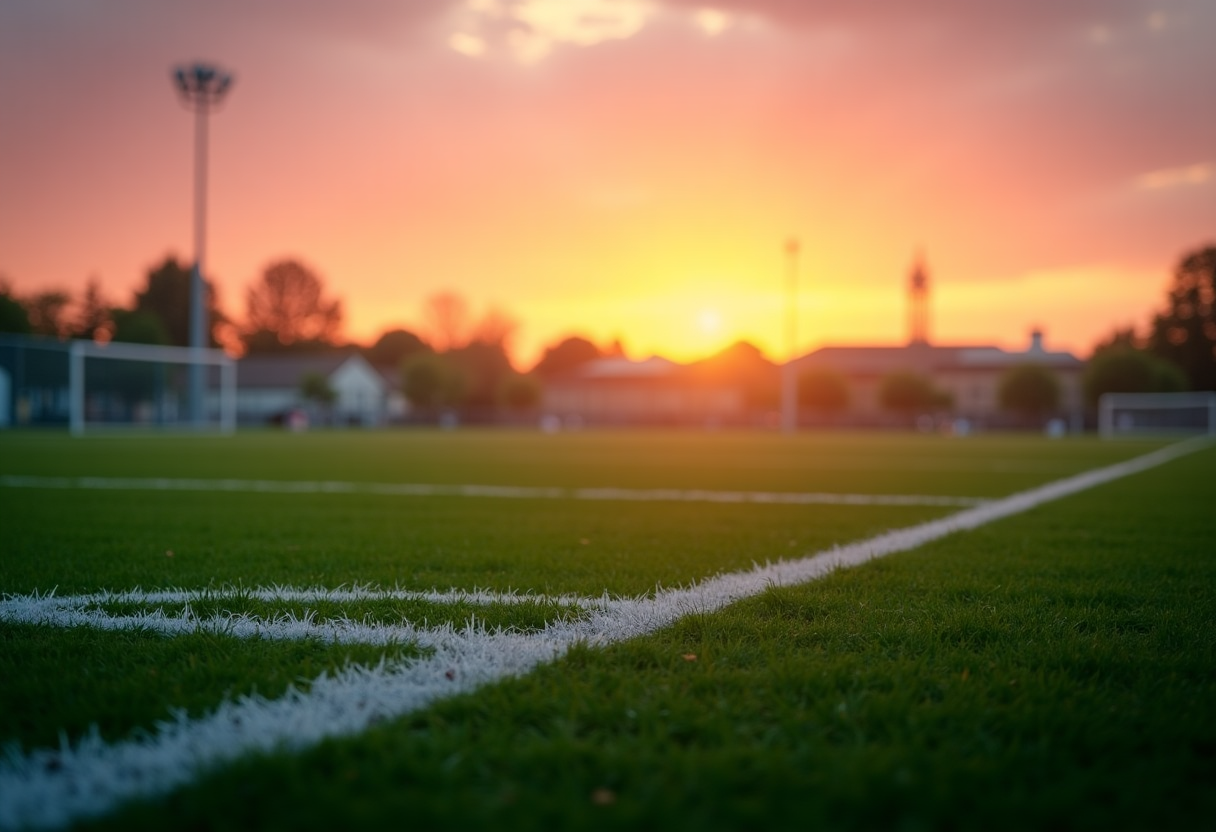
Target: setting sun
pixel 709 321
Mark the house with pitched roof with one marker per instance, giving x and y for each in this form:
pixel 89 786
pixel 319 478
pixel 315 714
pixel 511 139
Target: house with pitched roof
pixel 270 387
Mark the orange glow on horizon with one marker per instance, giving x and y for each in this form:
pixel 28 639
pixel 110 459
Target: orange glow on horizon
pixel 630 169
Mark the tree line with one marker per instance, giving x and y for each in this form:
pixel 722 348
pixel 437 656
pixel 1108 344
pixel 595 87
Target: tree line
pixel 285 309
pixel 461 360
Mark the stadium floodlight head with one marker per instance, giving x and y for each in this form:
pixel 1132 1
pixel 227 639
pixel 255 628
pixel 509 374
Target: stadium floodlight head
pixel 201 87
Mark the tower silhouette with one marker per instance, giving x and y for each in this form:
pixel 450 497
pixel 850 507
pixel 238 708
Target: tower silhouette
pixel 918 302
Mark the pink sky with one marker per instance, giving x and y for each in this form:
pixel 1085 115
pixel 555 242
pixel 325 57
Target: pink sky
pixel 629 168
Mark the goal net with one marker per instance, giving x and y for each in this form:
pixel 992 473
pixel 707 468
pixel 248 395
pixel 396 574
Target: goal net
pixel 115 386
pixel 1157 414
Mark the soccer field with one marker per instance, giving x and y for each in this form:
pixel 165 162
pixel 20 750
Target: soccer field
pixel 606 630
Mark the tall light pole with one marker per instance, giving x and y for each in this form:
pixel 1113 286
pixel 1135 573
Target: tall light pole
pixel 789 377
pixel 201 87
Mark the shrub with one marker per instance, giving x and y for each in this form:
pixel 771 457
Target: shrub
pixel 1030 390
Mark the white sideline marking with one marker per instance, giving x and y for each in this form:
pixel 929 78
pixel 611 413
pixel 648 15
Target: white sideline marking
pixel 516 492
pixel 53 787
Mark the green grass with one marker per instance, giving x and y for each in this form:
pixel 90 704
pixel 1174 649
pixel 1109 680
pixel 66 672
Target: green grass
pixel 118 540
pixel 67 682
pixel 867 463
pixel 1054 670
pixel 1051 670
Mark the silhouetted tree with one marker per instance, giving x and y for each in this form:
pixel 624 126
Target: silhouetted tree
pixel 138 326
pixel 430 382
pixel 910 393
pixel 1029 390
pixel 481 366
pixel 741 365
pixel 1125 369
pixel 565 356
pixel 94 313
pixel 167 295
pixel 447 316
pixel 1120 338
pixel 394 346
pixel 519 392
pixel 48 313
pixel 265 342
pixel 495 327
pixel 315 387
pixel 823 389
pixel 13 317
pixel 1185 333
pixel 288 304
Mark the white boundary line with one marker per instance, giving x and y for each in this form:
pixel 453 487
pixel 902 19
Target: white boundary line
pixel 500 491
pixel 82 611
pixel 53 787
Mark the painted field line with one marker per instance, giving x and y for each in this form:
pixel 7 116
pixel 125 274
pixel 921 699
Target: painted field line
pixel 50 610
pixel 48 602
pixel 53 787
pixel 516 492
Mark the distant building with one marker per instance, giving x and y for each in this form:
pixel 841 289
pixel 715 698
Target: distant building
pixel 618 391
pixel 739 386
pixel 270 387
pixel 969 374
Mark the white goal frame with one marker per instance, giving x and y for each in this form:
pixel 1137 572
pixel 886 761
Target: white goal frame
pixel 1109 403
pixel 80 350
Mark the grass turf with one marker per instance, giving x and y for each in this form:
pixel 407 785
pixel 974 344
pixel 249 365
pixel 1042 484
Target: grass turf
pixel 712 741
pixel 866 463
pixel 1053 670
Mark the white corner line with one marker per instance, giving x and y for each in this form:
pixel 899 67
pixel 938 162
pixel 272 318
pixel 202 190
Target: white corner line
pixel 50 788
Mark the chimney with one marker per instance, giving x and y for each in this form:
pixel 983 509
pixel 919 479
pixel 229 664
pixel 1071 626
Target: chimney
pixel 1036 340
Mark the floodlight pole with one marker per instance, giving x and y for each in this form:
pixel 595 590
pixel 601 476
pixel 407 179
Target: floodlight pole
pixel 201 87
pixel 789 373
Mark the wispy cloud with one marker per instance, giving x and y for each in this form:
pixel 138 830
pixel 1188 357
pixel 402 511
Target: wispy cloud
pixel 466 44
pixel 531 29
pixel 712 21
pixel 1196 174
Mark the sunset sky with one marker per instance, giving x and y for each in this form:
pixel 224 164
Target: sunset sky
pixel 629 169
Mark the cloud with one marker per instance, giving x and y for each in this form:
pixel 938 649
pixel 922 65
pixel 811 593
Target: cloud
pixel 712 21
pixel 531 29
pixel 1196 174
pixel 1010 18
pixel 954 31
pixel 466 44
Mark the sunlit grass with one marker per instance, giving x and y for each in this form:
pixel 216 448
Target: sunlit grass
pixel 1051 670
pixel 81 541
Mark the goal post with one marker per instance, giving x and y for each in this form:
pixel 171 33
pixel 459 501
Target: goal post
pixel 1157 414
pixel 118 385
